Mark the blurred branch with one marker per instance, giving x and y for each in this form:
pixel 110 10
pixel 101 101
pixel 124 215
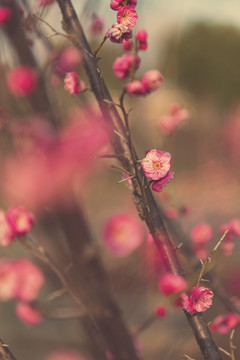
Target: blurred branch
pixel 5 353
pixel 39 99
pixel 142 195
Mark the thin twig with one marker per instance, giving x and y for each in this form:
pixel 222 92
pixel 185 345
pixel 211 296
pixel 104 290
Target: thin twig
pixel 232 347
pixel 208 260
pixel 224 351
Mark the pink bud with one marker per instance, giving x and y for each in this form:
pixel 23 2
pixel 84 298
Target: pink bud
pixel 141 35
pixel 172 284
pixel 160 311
pixel 28 314
pixel 5 14
pixel 123 65
pixel 20 220
pixel 65 354
pixel 127 45
pixel 97 25
pixel 151 80
pixel 71 83
pixel 116 4
pixel 22 80
pixel 135 88
pixel 159 185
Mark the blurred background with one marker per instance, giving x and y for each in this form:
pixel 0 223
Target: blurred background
pixel 196 47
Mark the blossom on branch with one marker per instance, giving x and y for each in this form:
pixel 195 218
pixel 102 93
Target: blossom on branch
pixel 159 185
pixel 116 4
pixel 127 16
pixel 72 85
pixel 126 64
pixel 20 220
pixel 200 299
pixel 156 164
pixel 28 314
pixel 119 32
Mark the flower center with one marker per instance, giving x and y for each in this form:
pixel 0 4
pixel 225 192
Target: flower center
pixel 157 165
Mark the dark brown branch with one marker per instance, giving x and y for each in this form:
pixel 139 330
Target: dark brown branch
pixel 5 353
pixel 142 195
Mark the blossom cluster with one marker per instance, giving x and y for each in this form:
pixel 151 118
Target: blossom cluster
pixel 16 221
pixel 156 166
pixel 72 84
pixel 22 280
pixel 126 20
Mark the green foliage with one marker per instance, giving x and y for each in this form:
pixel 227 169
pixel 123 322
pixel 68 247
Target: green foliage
pixel 205 61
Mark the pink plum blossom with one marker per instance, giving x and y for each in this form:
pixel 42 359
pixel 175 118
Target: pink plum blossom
pixel 122 234
pixel 20 220
pixel 5 14
pixel 201 251
pixel 66 60
pixel 30 280
pixel 151 80
pixel 123 65
pixel 201 233
pixel 172 284
pixel 72 85
pixel 116 4
pixel 28 314
pixel 171 212
pixel 65 354
pixel 97 25
pixel 156 164
pixel 160 311
pixel 127 16
pixel 223 324
pixel 135 88
pixel 8 279
pixel 53 162
pixel 119 32
pixel 6 233
pixel 159 185
pixel 200 299
pixel 22 80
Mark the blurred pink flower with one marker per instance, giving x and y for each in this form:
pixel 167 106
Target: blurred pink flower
pixel 6 233
pixel 223 324
pixel 123 65
pixel 135 88
pixel 22 80
pixel 8 279
pixel 151 80
pixel 159 185
pixel 28 314
pixel 49 169
pixel 116 4
pixel 172 284
pixel 169 123
pixel 5 14
pixel 30 279
pixel 122 234
pixel 201 233
pixel 20 220
pixel 66 60
pixel 65 354
pixel 97 25
pixel 156 164
pixel 72 85
pixel 127 16
pixel 200 250
pixel 160 311
pixel 119 32
pixel 200 299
